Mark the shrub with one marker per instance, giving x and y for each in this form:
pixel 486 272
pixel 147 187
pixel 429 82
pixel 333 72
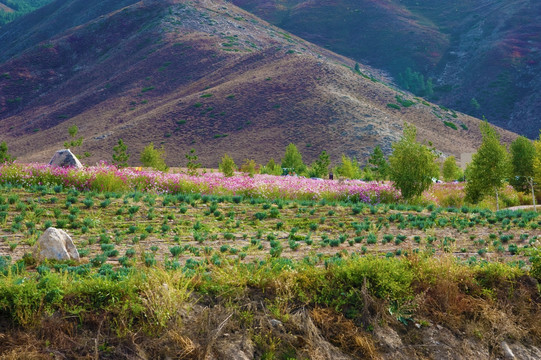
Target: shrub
pixel 450 124
pixel 108 182
pixel 404 102
pixel 227 166
pixel 154 158
pixel 250 167
pixel 4 155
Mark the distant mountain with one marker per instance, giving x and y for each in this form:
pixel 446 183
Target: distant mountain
pixel 12 9
pixel 203 74
pixel 484 56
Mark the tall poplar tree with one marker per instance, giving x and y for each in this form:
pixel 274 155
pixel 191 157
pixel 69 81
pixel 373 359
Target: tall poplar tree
pixel 120 156
pixel 489 167
pixel 523 155
pixel 378 165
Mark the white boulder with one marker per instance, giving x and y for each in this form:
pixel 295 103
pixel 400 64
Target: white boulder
pixel 65 158
pixel 55 244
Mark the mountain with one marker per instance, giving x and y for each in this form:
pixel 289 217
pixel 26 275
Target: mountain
pixel 12 9
pixel 484 56
pixel 202 74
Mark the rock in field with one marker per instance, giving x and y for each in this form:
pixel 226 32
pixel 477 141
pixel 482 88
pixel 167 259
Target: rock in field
pixel 65 158
pixel 55 244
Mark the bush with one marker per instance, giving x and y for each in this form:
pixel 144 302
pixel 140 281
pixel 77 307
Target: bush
pixel 389 279
pixel 154 158
pixel 108 182
pixel 349 168
pixel 271 168
pixel 450 124
pixel 404 102
pixel 227 166
pixel 4 155
pixel 120 156
pixel 249 167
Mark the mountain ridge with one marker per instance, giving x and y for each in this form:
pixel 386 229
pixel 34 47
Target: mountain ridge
pixel 206 75
pixel 484 56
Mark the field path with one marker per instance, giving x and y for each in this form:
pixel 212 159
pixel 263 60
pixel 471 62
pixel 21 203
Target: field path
pixel 522 207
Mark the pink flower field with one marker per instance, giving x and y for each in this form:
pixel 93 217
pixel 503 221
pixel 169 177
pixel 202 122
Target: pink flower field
pixel 110 178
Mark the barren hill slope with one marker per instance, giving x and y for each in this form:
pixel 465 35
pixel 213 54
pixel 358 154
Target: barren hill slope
pixel 202 74
pixel 484 56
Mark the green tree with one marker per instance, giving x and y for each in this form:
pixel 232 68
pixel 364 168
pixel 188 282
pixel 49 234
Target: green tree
pixel 75 142
pixel 4 154
pixel 378 165
pixel 154 158
pixel 450 169
pixel 415 82
pixel 292 160
pixel 272 168
pixel 320 167
pixel 192 163
pixel 250 167
pixel 412 165
pixel 227 166
pixel 73 131
pixel 349 168
pixel 489 166
pixel 120 156
pixel 522 159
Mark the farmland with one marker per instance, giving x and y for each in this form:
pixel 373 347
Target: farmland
pixel 342 250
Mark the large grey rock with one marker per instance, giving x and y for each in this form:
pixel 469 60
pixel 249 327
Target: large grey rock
pixel 65 158
pixel 55 244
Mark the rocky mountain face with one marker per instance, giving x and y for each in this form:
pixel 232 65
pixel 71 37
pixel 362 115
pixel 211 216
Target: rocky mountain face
pixel 484 56
pixel 203 74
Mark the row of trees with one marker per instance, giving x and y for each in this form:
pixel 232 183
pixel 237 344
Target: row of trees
pixel 292 163
pixel 412 166
pixel 493 166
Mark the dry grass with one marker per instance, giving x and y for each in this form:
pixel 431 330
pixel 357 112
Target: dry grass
pixel 344 334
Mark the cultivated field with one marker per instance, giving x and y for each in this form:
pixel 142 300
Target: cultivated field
pixel 180 266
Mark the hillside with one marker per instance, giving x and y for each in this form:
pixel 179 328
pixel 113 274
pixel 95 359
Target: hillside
pixel 204 74
pixel 484 56
pixel 12 9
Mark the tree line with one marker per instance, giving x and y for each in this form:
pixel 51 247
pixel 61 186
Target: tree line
pixel 412 166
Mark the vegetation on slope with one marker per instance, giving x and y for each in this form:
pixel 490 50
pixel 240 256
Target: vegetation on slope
pixel 12 9
pixel 482 56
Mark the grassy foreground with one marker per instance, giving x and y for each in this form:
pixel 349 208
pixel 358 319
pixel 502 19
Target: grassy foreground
pixel 206 276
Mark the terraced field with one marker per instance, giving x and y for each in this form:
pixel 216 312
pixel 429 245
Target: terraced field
pixel 132 226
